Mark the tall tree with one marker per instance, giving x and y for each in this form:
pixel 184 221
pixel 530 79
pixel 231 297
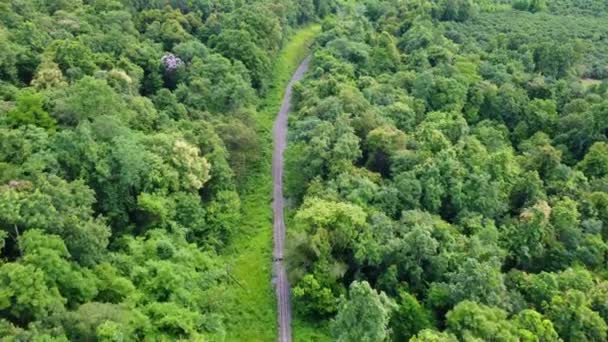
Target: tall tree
pixel 364 316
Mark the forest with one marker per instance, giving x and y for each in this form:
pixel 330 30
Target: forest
pixel 126 134
pixel 446 170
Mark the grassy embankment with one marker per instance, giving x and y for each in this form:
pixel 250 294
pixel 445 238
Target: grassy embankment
pixel 251 302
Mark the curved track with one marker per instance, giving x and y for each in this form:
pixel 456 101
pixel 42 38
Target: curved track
pixel 280 142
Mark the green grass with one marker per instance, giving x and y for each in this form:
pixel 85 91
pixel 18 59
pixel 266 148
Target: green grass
pixel 285 65
pixel 250 302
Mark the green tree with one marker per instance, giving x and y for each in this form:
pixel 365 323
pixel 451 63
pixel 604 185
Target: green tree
pixel 540 328
pixel 527 237
pixel 56 207
pixel 238 44
pixel 537 5
pixel 73 57
pixel 216 84
pixel 48 76
pixel 470 320
pixel 409 318
pixel 49 254
pixel 342 221
pixel 553 59
pixel 8 57
pixel 25 295
pixel 574 320
pixel 477 281
pixel 88 99
pixel 364 316
pixel 385 56
pixel 313 299
pixel 29 110
pixel 105 322
pixel 428 335
pixel 595 163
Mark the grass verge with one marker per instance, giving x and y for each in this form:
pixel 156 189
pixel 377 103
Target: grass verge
pixel 250 301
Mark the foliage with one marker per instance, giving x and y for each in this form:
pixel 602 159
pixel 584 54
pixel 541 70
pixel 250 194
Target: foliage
pixel 447 169
pixel 364 316
pixel 126 131
pixel 452 154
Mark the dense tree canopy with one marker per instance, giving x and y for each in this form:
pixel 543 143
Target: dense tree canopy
pixel 126 130
pixel 452 155
pixel 447 167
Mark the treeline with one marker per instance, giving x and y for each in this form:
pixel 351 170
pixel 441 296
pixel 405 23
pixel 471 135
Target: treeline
pixel 125 130
pixel 449 163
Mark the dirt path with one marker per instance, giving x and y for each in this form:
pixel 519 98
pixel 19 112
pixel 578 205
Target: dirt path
pixel 280 275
